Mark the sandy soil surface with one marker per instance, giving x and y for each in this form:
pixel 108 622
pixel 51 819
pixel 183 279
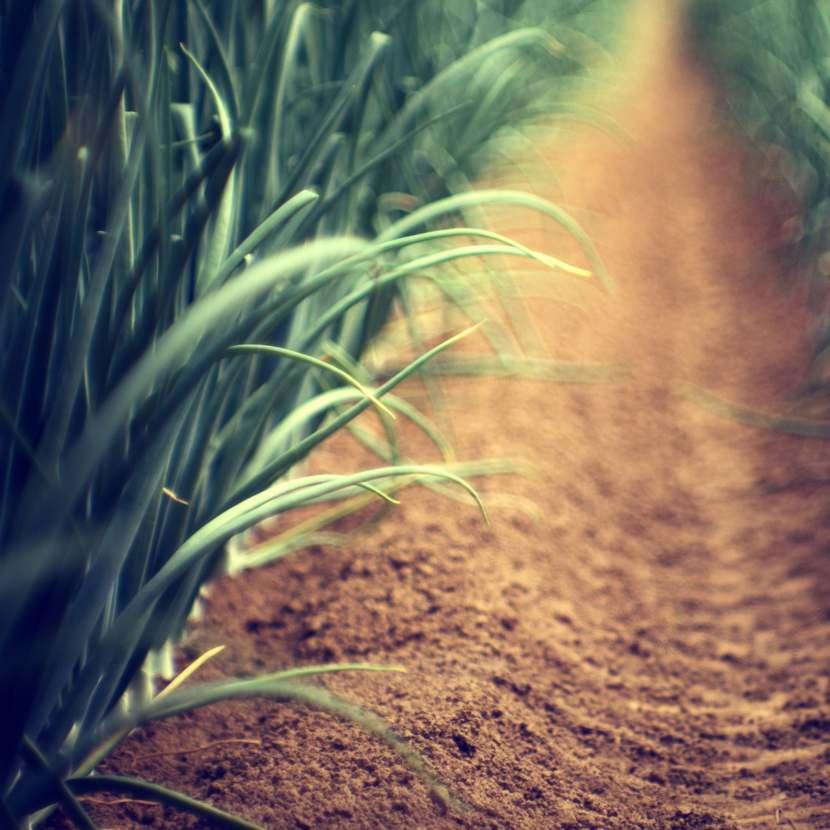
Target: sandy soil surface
pixel 639 639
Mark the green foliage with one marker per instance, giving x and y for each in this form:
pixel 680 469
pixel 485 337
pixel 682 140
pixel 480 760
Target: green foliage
pixel 773 59
pixel 188 190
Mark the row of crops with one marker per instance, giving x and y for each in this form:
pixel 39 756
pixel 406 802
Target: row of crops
pixel 773 61
pixel 210 209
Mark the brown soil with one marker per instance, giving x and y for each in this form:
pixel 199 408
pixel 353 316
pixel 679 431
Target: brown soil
pixel 641 636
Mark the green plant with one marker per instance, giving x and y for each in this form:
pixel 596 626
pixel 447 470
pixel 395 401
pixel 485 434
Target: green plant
pixel 773 60
pixel 184 185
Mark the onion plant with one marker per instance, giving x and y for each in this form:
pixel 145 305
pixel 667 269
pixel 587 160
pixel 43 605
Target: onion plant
pixel 773 60
pixel 198 248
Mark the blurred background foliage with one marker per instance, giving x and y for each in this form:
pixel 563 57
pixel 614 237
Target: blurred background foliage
pixel 772 60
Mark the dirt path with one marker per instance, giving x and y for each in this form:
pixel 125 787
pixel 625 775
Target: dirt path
pixel 649 647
